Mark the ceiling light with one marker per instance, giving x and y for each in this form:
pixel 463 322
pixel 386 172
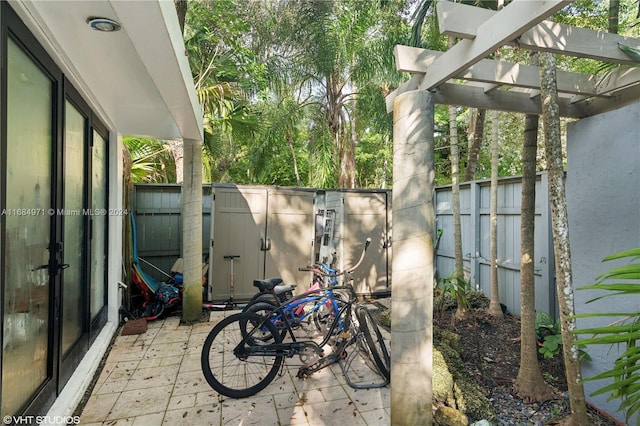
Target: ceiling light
pixel 103 24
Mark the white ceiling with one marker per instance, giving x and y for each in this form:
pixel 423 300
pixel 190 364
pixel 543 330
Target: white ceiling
pixel 137 79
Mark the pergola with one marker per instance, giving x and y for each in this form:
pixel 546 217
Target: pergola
pixel 462 76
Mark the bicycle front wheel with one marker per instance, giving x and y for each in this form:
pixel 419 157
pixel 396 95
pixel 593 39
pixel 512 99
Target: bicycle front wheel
pixel 227 368
pixel 375 341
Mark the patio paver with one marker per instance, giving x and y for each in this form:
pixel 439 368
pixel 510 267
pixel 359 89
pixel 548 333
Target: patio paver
pixel 154 379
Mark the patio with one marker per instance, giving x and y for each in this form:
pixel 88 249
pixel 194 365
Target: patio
pixel 155 379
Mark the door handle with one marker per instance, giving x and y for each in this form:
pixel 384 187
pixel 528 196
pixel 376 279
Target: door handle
pixel 265 246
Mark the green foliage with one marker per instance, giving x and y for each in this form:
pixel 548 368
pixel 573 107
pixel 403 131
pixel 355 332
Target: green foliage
pixel 151 161
pixel 549 334
pixel 624 331
pixel 374 155
pixel 456 288
pixel 551 346
pixel 282 79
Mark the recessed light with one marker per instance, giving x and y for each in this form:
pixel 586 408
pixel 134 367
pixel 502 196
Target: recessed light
pixel 103 24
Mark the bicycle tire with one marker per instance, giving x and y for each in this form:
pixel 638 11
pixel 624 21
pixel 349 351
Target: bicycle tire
pixel 375 341
pixel 230 375
pixel 261 298
pixel 265 309
pixel 324 315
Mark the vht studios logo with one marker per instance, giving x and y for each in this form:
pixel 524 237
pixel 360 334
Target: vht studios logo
pixel 41 420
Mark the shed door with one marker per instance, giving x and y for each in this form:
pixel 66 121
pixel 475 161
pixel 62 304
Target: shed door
pixel 238 228
pixel 290 233
pixel 270 229
pixel 365 216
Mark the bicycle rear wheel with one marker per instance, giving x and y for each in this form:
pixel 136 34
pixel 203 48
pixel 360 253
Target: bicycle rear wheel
pixel 325 312
pixel 269 298
pixel 230 372
pixel 375 341
pixel 266 310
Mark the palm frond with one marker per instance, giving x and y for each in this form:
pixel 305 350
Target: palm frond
pixel 626 331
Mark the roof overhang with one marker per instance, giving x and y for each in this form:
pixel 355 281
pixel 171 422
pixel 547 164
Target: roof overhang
pixel 461 76
pixel 137 79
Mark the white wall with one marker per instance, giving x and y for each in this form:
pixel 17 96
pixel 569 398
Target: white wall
pixel 603 196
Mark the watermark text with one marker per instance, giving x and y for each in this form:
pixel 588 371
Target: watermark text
pixel 63 212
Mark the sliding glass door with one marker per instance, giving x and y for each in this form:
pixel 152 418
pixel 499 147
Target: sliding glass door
pixel 27 352
pixel 53 227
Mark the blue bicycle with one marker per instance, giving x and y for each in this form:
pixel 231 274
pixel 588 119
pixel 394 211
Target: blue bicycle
pixel 244 352
pixel 320 304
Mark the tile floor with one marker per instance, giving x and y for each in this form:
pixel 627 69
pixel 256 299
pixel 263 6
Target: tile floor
pixel 155 379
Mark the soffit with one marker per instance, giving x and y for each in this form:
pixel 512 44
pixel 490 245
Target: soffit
pixel 137 79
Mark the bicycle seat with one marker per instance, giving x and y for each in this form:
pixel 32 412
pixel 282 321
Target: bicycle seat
pixel 279 289
pixel 268 284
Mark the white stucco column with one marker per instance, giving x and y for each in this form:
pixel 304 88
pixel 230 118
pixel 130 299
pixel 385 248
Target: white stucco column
pixel 412 276
pixel 192 231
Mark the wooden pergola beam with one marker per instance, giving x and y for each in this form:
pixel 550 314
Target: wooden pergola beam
pixel 519 100
pixel 464 21
pixel 501 28
pixel 502 100
pixel 415 60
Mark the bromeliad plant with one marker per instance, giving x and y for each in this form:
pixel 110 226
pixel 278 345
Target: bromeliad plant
pixel 625 331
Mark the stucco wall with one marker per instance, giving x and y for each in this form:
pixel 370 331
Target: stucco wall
pixel 603 196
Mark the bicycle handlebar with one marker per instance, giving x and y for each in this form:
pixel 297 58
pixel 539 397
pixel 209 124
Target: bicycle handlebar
pixel 315 269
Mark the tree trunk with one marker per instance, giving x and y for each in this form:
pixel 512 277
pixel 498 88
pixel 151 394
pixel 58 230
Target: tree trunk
pixel 560 231
pixel 494 305
pixel 181 10
pixel 477 134
pixel 461 311
pixel 177 150
pixel 345 146
pixel 192 233
pixel 530 384
pixel 614 16
pixel 293 157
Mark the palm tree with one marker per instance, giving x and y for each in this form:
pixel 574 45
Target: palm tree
pixel 330 44
pixel 560 230
pixel 494 306
pixel 151 161
pixel 476 133
pixel 217 58
pixel 530 384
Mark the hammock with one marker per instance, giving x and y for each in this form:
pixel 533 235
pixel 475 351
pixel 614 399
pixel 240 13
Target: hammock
pixel 144 281
pixel 158 295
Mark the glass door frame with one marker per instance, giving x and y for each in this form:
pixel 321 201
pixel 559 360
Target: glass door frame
pixel 59 368
pixel 100 319
pixel 12 27
pixel 67 362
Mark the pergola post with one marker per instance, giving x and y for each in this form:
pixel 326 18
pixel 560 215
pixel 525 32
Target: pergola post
pixel 413 230
pixel 192 231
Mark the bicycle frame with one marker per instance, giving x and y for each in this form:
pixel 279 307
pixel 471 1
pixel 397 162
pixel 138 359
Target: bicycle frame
pixel 289 314
pixel 288 349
